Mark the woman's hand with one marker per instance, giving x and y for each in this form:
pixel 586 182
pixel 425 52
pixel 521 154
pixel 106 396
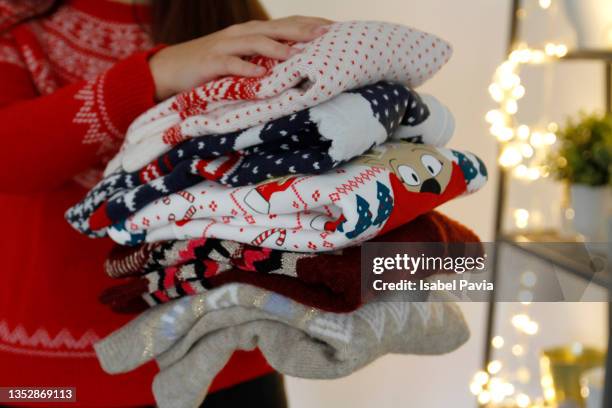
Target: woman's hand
pixel 184 66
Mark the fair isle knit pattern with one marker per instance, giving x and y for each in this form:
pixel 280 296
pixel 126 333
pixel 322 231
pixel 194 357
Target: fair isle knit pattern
pixel 73 46
pixel 35 55
pixel 377 192
pixel 328 280
pixel 311 141
pixel 66 47
pixel 81 47
pixel 15 11
pixel 42 343
pixel 349 56
pixel 153 257
pixel 126 261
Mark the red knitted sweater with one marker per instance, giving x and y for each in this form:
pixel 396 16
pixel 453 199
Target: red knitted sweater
pixel 70 84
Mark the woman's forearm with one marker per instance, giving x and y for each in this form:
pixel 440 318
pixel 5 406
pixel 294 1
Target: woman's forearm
pixel 47 140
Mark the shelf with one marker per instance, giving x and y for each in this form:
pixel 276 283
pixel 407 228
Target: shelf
pixel 564 253
pixel 600 55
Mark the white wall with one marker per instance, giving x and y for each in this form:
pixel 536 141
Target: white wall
pixel 478 30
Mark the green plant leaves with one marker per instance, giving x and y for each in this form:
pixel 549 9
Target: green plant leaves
pixel 584 154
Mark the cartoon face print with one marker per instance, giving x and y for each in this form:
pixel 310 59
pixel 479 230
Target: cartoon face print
pixel 422 169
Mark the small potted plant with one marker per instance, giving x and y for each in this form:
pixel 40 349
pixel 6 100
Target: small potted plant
pixel 583 159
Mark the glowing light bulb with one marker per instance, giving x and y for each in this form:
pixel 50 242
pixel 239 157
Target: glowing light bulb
pixel 521 220
pixel 516 56
pixel 533 173
pixel 475 388
pixel 537 57
pixel 552 127
pixel 510 157
pixel 506 69
pixel 550 49
pixel 496 388
pixel 494 116
pixel 496 92
pixel 561 50
pixel 520 320
pixel 497 342
pixel 494 367
pixel 549 138
pixel 520 171
pixel 545 3
pixel 584 391
pixel 509 80
pixel 531 328
pixel 526 150
pixel 523 400
pixel 511 106
pixel 484 397
pixel 536 139
pixel 546 381
pixel 517 350
pixel 518 92
pixel 523 132
pixel 503 133
pixel 481 377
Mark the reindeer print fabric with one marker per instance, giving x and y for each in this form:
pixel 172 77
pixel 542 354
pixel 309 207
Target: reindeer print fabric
pixel 312 141
pixel 357 201
pixel 349 56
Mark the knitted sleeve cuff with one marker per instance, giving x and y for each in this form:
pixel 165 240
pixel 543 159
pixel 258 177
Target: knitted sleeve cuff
pixel 129 90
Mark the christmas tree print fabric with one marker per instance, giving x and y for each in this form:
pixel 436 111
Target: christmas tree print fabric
pixel 349 56
pixel 375 193
pixel 311 141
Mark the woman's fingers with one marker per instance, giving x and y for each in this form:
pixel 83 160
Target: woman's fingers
pixel 236 66
pixel 259 45
pixel 307 20
pixel 299 29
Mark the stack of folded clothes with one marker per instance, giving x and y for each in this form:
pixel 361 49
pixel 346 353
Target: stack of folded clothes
pixel 243 203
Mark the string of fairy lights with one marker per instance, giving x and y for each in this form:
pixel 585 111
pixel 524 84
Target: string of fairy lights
pixel 523 150
pixel 497 385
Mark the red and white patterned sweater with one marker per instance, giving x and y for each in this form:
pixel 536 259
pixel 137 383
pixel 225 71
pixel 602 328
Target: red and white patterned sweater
pixel 70 84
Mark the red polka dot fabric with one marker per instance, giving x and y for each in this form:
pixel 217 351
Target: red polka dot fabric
pixel 348 56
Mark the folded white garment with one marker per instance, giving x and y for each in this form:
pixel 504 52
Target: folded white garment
pixel 350 55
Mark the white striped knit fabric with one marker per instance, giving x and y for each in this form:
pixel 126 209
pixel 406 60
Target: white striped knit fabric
pixel 348 56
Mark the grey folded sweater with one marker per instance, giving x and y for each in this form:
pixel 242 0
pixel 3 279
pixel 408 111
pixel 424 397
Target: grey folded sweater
pixel 194 337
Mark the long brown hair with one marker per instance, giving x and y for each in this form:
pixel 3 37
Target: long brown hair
pixel 175 21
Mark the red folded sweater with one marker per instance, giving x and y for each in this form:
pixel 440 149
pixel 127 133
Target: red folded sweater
pixel 70 84
pixel 328 281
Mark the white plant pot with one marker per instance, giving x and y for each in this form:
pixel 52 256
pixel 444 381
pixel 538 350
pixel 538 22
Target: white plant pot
pixel 592 20
pixel 591 211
